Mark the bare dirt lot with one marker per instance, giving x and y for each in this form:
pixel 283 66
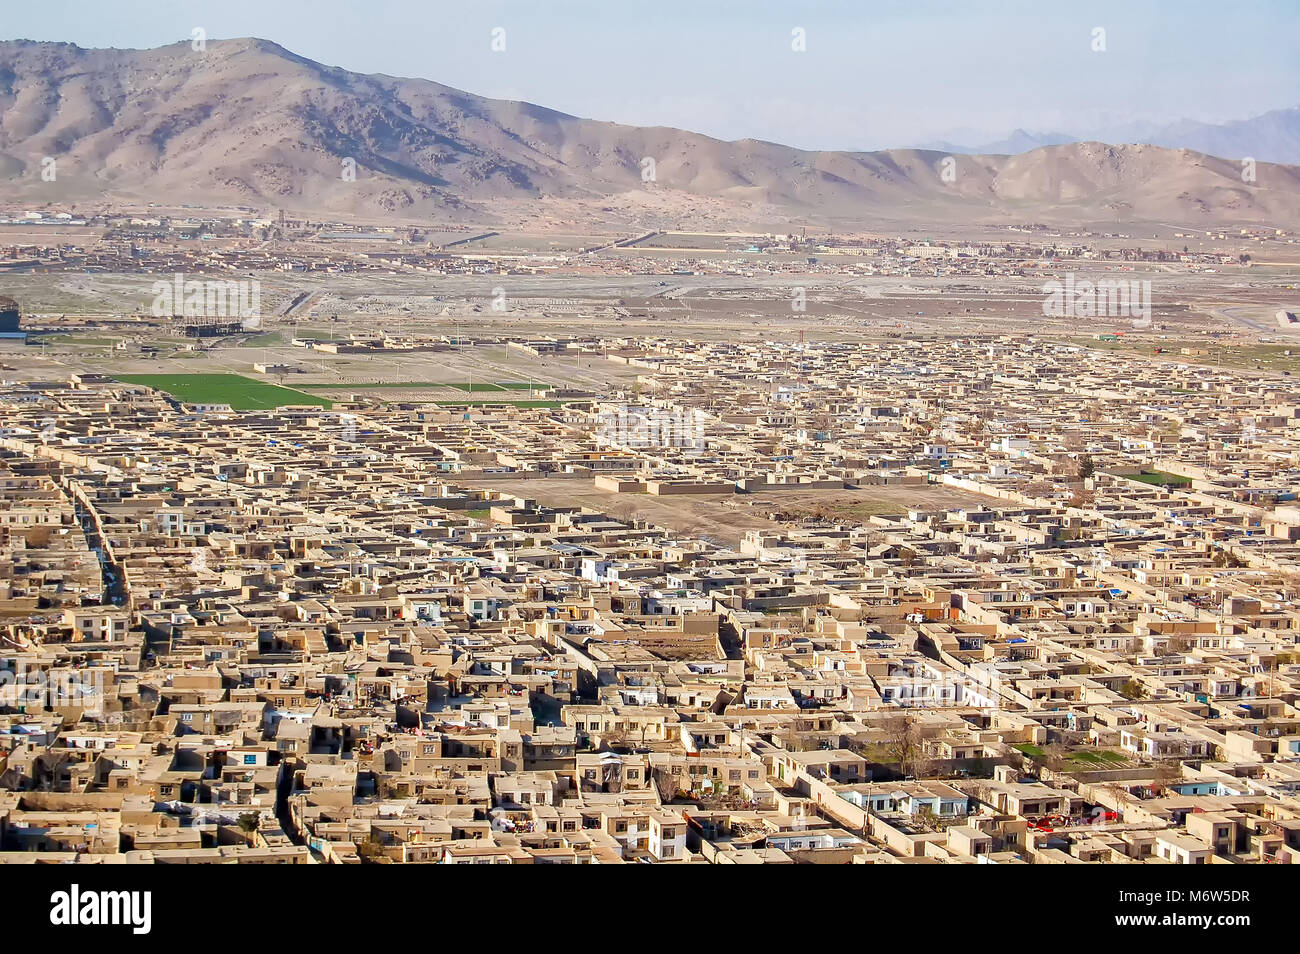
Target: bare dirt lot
pixel 726 517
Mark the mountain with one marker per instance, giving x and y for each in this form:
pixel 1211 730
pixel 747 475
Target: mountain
pixel 248 123
pixel 1270 137
pixel 1017 142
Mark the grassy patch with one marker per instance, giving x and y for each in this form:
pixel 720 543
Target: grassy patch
pixel 473 387
pixel 241 393
pixel 1096 757
pixel 1160 478
pixel 265 340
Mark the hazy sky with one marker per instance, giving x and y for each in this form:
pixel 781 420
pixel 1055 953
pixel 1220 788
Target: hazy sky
pixel 875 73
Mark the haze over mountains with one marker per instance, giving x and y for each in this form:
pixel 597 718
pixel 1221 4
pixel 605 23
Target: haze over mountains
pixel 1271 137
pixel 248 123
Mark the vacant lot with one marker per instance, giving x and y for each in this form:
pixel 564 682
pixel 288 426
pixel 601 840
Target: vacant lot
pixel 474 387
pixel 241 393
pixel 726 517
pixel 1214 353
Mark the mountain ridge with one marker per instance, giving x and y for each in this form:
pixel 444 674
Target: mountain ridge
pixel 1273 136
pixel 250 123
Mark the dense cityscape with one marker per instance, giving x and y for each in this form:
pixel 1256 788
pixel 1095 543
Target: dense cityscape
pixel 780 434
pixel 968 601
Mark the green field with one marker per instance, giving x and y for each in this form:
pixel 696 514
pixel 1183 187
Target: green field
pixel 1099 757
pixel 265 340
pixel 1160 479
pixel 1079 759
pixel 241 393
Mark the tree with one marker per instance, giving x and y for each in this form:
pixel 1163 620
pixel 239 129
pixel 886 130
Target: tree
pixel 1054 757
pixel 1132 690
pixel 1166 773
pixel 248 822
pixel 906 746
pixel 665 784
pixel 1086 467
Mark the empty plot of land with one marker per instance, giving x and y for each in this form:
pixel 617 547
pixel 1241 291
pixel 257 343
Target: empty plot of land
pixel 1245 355
pixel 726 517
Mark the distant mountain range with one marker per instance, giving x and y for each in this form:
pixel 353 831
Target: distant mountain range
pixel 1271 137
pixel 247 123
pixel 1014 144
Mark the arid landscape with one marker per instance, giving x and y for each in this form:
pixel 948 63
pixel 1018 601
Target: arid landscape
pixel 873 440
pixel 247 123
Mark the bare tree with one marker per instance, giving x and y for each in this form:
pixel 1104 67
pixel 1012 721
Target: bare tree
pixel 1166 773
pixel 906 746
pixel 665 784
